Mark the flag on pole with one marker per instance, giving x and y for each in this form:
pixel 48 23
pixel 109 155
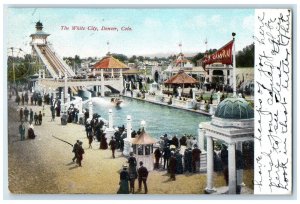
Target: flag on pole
pixel 223 55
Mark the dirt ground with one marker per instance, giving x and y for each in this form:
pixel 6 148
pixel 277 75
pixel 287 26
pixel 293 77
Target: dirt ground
pixel 44 165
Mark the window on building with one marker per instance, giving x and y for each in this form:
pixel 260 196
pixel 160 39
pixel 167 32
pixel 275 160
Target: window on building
pixel 140 150
pixel 147 150
pixel 228 72
pixel 134 148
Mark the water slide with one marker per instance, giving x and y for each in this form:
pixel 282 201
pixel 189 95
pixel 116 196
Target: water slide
pixel 53 62
pixel 51 69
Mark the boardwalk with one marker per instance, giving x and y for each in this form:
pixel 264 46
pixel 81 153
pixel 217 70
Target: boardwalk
pixel 44 165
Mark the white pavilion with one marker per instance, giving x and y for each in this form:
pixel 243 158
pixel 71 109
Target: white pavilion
pixel 232 123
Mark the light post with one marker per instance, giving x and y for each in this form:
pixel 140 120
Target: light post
pixel 179 89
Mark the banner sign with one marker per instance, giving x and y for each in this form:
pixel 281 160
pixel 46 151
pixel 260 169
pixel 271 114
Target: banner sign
pixel 223 55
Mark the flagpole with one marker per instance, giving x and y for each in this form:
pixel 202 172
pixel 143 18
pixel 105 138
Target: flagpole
pixel 234 66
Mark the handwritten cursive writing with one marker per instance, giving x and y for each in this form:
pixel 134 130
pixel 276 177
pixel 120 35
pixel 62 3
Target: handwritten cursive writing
pixel 272 101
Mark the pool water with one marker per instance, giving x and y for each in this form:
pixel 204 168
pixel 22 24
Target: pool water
pixel 159 119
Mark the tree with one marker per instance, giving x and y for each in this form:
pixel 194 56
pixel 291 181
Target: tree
pixel 200 55
pixel 172 57
pixel 140 58
pixel 77 59
pixel 22 66
pixel 197 57
pixel 120 57
pixel 132 59
pixel 245 57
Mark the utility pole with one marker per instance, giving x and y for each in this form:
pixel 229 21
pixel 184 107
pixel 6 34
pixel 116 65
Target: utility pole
pixel 13 64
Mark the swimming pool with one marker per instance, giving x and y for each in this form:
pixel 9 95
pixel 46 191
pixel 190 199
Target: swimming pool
pixel 159 119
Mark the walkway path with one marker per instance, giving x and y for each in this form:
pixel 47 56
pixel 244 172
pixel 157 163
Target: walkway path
pixel 44 165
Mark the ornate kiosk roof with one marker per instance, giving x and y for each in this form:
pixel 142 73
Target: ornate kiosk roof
pixel 109 62
pixel 233 121
pixel 181 78
pixel 39 31
pixel 234 108
pixel 143 139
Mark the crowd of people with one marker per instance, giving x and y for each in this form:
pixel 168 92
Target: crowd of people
pixel 72 113
pixel 26 115
pixel 168 155
pixel 129 175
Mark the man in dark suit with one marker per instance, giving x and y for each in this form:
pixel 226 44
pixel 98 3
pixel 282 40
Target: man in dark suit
pixel 142 177
pixel 112 145
pixel 196 152
pixel 40 118
pixel 157 155
pixel 166 156
pixel 224 159
pixel 21 114
pixel 75 148
pixel 80 152
pixel 132 171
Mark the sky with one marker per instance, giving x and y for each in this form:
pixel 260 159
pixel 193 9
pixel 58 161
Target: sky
pixel 153 31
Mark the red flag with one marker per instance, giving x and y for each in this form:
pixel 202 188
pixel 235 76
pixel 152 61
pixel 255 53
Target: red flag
pixel 223 55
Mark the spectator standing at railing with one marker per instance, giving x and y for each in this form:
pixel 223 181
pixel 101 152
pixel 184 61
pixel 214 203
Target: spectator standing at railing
pixel 172 166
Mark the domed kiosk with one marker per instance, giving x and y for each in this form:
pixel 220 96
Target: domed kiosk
pixel 142 146
pixel 233 123
pixel 234 108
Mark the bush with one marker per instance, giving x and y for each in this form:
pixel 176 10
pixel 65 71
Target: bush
pixel 207 107
pixel 195 106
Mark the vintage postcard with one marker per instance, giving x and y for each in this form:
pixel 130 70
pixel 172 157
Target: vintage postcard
pixel 107 100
